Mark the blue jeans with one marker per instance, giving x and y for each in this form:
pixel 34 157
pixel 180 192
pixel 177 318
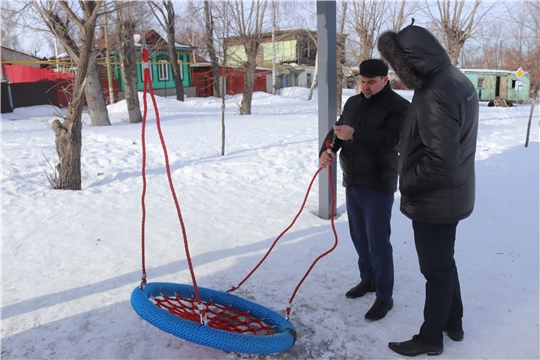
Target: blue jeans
pixel 443 309
pixel 369 224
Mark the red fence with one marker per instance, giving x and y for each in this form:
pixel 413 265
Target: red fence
pixel 34 86
pixel 25 74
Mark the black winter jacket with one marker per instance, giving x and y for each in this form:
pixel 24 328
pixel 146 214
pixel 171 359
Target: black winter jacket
pixel 370 159
pixel 437 178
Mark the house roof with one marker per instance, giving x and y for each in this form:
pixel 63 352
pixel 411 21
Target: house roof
pixel 489 71
pixel 152 38
pixel 8 54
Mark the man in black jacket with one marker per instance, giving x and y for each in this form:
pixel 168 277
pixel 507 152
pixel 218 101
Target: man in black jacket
pixel 368 134
pixel 437 180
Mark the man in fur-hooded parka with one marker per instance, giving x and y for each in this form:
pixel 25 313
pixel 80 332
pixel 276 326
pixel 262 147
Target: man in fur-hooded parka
pixel 437 178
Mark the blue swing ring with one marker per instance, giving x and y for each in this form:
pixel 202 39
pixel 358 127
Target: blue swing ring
pixel 205 335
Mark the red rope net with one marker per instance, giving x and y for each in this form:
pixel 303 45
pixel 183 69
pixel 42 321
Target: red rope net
pixel 219 317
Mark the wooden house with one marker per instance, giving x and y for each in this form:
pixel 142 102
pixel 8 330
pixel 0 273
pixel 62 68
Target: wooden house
pixel 160 69
pixel 295 55
pixel 294 49
pixel 297 46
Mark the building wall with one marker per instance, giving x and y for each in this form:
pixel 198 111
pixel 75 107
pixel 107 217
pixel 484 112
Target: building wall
pixel 16 56
pixel 488 85
pixel 157 71
pixel 285 51
pixel 291 46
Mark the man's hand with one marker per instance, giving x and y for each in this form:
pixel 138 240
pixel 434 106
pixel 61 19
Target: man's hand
pixel 326 159
pixel 344 132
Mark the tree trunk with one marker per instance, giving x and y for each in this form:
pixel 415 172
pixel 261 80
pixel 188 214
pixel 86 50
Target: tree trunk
pixel 249 84
pixel 536 88
pixel 209 37
pixel 97 108
pixel 315 77
pixel 340 58
pixel 274 67
pixel 179 86
pixel 250 33
pixel 171 46
pixel 68 139
pixel 68 134
pixel 129 70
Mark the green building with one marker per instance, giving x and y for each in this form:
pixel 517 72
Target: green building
pixel 492 85
pixel 160 68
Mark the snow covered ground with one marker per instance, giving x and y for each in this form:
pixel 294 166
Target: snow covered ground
pixel 70 259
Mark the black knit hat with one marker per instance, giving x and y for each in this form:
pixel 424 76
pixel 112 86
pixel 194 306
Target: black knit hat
pixel 373 67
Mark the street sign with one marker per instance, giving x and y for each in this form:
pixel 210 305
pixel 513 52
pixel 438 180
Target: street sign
pixel 519 73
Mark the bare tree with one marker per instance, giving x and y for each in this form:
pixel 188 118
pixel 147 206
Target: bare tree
pixel 534 25
pixel 533 50
pixel 167 20
pixel 248 25
pixel 125 45
pixel 10 17
pixel 315 82
pixel 399 12
pixel 340 56
pixel 69 132
pixel 367 20
pixel 58 20
pixel 223 90
pixel 456 20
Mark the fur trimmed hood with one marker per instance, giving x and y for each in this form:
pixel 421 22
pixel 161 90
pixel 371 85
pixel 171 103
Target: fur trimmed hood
pixel 414 54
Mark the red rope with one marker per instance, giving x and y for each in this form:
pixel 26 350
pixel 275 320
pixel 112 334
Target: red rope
pixel 148 83
pixel 332 212
pixel 288 310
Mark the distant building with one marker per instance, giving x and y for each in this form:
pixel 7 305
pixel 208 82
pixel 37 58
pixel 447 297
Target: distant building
pixel 296 46
pixel 160 69
pixel 493 85
pixel 295 55
pixel 14 56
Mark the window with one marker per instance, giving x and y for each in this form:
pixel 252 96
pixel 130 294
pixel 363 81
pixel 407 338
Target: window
pixel 481 82
pixel 513 84
pixel 141 72
pixel 181 66
pixel 163 68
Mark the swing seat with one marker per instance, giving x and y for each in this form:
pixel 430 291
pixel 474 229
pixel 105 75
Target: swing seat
pixel 233 324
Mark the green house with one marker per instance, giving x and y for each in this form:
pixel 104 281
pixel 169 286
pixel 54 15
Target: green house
pixel 160 68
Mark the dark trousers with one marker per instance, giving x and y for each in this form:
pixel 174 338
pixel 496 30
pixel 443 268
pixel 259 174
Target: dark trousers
pixel 369 224
pixel 443 309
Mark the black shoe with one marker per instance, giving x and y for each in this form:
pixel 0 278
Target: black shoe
pixel 379 309
pixel 361 289
pixel 455 335
pixel 415 347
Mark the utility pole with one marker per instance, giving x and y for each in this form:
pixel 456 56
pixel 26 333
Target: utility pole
pixel 327 68
pixel 274 70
